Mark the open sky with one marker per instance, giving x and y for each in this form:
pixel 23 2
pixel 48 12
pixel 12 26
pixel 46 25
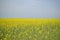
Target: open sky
pixel 29 8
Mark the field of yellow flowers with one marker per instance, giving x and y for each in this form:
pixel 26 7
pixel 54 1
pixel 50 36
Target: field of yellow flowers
pixel 29 29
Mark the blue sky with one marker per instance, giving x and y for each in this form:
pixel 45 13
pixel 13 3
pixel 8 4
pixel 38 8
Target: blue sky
pixel 29 9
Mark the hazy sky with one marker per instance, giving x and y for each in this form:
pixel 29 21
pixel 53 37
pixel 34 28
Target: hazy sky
pixel 30 8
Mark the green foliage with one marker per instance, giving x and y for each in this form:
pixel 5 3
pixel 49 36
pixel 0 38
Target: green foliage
pixel 30 32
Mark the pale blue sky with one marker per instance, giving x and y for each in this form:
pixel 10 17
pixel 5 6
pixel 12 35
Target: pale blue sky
pixel 29 8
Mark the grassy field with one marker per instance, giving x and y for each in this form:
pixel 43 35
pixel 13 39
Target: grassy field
pixel 29 29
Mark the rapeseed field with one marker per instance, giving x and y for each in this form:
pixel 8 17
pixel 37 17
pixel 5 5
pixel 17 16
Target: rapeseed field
pixel 29 29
